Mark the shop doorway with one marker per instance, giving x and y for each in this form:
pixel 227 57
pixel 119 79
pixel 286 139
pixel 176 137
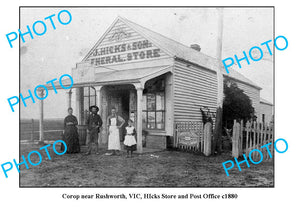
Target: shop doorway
pixel 119 99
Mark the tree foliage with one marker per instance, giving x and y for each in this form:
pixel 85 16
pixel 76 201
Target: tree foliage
pixel 236 105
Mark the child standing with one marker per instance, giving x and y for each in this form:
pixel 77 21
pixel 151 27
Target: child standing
pixel 130 142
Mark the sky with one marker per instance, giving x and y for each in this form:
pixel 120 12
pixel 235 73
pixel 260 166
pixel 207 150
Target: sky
pixel 57 51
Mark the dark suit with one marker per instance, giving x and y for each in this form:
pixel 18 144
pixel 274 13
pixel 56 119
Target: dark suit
pixel 94 122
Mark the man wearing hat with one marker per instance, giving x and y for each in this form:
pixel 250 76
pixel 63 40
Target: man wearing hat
pixel 94 122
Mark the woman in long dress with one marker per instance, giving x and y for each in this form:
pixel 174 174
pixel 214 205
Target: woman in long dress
pixel 115 122
pixel 70 135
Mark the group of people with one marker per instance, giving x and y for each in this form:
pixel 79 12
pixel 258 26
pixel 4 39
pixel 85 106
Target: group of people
pixel 94 126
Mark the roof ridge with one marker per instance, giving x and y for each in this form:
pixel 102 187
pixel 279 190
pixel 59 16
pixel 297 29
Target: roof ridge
pixel 194 57
pixel 197 52
pixel 166 37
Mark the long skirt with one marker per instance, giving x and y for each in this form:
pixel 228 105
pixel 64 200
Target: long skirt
pixel 114 138
pixel 71 138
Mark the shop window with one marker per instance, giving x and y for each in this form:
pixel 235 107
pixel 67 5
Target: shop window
pixel 89 99
pixel 154 105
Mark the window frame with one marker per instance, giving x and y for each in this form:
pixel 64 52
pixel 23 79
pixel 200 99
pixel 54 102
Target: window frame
pixel 163 111
pixel 90 96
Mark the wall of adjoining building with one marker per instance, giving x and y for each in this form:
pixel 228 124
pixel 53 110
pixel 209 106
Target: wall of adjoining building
pixel 267 111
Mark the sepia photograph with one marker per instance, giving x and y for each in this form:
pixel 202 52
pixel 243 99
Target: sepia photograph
pixel 146 96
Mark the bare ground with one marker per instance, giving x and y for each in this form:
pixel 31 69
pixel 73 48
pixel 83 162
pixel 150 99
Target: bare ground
pixel 159 169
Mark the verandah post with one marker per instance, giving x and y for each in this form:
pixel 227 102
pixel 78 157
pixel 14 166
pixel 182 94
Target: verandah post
pixel 32 130
pixel 69 99
pixel 139 89
pixel 99 104
pixel 41 123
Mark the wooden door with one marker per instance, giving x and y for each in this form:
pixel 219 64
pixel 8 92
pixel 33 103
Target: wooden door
pixel 115 101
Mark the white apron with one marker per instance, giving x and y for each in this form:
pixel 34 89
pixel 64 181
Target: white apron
pixel 129 139
pixel 114 137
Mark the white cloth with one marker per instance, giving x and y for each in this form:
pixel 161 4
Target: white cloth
pixel 129 139
pixel 114 137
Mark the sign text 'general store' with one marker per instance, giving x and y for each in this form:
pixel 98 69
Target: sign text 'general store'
pixel 137 50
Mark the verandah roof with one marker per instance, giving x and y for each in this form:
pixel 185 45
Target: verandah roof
pixel 131 75
pixel 118 77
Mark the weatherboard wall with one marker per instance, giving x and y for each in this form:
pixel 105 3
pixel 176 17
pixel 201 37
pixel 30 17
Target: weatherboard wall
pixel 193 87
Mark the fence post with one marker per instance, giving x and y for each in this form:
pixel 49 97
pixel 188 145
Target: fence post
pixel 241 138
pixel 207 146
pixel 202 137
pixel 235 139
pixel 256 138
pixel 32 130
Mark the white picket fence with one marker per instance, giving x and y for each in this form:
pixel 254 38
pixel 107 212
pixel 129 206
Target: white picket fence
pixel 251 136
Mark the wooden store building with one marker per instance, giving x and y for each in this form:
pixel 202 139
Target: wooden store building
pixel 149 78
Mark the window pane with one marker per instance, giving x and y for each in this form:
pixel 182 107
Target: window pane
pixel 92 91
pixel 86 103
pixel 151 102
pixel 144 120
pixel 144 102
pixel 160 101
pixel 92 101
pixel 160 120
pixel 86 91
pixel 151 120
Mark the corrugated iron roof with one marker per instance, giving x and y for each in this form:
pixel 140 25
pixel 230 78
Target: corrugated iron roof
pixel 186 53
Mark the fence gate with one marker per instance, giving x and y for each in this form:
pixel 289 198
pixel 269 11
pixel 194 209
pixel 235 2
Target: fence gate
pixel 188 136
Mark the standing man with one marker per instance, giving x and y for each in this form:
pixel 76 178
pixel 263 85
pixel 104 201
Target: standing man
pixel 94 123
